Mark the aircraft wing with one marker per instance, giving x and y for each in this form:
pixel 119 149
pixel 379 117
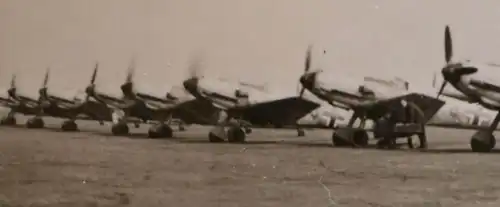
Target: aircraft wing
pixel 427 104
pixel 285 111
pixel 196 111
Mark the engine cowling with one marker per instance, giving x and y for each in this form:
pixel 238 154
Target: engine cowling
pixel 240 94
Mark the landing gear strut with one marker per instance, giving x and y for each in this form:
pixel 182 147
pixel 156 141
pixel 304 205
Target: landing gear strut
pixel 301 132
pixel 69 126
pixel 182 128
pixel 120 129
pixel 350 137
pixel 35 123
pixel 9 120
pixel 160 130
pixel 235 134
pixel 483 140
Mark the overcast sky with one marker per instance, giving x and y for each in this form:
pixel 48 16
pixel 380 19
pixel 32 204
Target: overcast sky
pixel 259 41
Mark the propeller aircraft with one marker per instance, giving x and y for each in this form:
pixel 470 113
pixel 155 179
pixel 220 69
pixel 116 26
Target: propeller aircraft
pixel 466 79
pixel 395 113
pixel 147 107
pixel 240 105
pixel 53 104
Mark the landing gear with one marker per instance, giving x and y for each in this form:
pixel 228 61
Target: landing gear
pixel 350 137
pixel 160 131
pixel 182 128
pixel 482 141
pixel 69 125
pixel 9 120
pixel 120 129
pixel 248 130
pixel 35 123
pixel 301 132
pixel 235 134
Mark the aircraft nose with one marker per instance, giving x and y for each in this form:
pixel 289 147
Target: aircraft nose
pixel 126 87
pixel 191 85
pixel 42 92
pixel 12 92
pixel 455 72
pixel 307 80
pixel 89 90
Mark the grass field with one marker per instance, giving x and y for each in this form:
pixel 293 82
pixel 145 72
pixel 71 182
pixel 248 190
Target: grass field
pixel 275 168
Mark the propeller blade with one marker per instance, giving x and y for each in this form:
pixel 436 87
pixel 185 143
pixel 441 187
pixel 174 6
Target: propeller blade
pixel 448 45
pixel 301 94
pixel 46 79
pixel 94 74
pixel 194 68
pixel 13 81
pixel 131 70
pixel 441 89
pixel 307 65
pixel 434 80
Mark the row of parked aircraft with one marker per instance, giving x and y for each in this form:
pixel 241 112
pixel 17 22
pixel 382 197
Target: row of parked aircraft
pixel 390 106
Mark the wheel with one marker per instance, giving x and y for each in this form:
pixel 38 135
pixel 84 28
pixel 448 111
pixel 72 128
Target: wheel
pixel 409 140
pixel 482 141
pixel 35 123
pixel 137 125
pixel 386 143
pixel 160 131
pixel 236 134
pixel 301 132
pixel 69 125
pixel 9 120
pixel 248 130
pixel 182 128
pixel 423 141
pixel 214 138
pixel 360 138
pixel 338 140
pixel 120 129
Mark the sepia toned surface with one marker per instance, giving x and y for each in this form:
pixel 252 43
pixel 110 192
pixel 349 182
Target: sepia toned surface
pixel 259 41
pixel 275 168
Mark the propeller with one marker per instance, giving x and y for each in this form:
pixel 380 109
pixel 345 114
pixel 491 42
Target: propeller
pixel 43 90
pixel 307 67
pixel 452 71
pixel 89 91
pixel 194 74
pixel 448 54
pixel 12 89
pixel 43 100
pixel 194 68
pixel 128 87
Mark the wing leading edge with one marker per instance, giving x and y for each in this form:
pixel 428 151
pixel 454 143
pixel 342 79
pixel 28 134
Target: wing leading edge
pixel 281 112
pixel 429 106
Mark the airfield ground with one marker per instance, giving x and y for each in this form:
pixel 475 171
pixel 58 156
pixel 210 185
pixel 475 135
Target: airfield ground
pixel 276 168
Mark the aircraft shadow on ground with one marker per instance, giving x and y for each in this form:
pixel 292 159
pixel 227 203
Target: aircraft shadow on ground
pixel 182 138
